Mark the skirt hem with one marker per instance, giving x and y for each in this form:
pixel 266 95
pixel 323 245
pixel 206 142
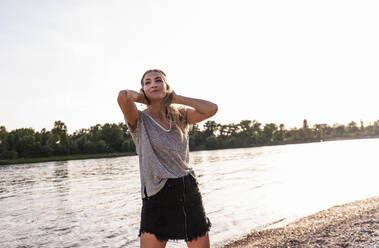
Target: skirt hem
pixel 188 239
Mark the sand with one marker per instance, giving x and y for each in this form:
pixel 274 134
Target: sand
pixel 354 224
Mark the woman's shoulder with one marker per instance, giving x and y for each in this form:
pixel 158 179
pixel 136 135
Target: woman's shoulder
pixel 141 116
pixel 144 116
pixel 143 113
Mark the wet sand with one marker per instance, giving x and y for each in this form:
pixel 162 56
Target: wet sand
pixel 354 224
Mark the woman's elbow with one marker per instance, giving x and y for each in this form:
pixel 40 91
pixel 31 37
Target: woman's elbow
pixel 214 109
pixel 122 95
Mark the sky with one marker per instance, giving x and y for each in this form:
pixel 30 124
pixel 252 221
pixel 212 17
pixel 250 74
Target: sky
pixel 270 61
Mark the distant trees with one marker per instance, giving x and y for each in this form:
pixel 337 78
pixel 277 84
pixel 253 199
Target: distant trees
pixel 109 138
pixel 26 142
pixel 252 133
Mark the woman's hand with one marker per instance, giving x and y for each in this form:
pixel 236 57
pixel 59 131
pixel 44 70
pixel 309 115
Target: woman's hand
pixel 125 95
pixel 141 98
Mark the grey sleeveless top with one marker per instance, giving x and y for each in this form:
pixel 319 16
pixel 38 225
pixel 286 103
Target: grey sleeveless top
pixel 162 154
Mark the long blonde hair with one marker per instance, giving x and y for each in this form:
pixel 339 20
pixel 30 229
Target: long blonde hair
pixel 176 115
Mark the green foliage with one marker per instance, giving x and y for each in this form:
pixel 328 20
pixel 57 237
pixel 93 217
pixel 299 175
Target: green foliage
pixel 211 142
pixel 25 143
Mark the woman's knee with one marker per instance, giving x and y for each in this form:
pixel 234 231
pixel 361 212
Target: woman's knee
pixel 200 242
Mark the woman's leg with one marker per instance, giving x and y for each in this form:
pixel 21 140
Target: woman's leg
pixel 148 240
pixel 200 242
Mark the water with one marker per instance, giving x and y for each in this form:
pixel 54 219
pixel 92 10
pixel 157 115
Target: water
pixel 96 202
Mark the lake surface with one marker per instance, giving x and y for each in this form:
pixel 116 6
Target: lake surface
pixel 96 202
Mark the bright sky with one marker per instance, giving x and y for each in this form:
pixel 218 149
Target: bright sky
pixel 271 61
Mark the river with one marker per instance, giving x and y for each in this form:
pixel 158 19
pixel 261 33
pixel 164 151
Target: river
pixel 96 202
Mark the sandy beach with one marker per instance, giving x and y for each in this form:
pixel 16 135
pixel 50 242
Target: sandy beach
pixel 354 224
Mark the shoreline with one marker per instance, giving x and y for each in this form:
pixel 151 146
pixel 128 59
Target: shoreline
pixel 121 154
pixel 65 158
pixel 354 224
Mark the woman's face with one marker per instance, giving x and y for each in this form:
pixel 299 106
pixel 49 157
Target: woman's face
pixel 154 86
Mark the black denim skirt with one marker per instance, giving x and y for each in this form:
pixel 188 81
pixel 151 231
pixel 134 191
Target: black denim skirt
pixel 175 212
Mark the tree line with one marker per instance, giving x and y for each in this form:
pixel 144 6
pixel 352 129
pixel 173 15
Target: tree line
pixel 112 138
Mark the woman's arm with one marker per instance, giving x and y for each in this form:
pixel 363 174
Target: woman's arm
pixel 126 100
pixel 202 109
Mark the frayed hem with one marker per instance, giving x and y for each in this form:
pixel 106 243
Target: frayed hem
pixel 201 234
pixel 157 236
pixel 160 238
pixel 192 237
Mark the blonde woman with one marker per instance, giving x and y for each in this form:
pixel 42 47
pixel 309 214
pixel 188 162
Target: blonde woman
pixel 172 207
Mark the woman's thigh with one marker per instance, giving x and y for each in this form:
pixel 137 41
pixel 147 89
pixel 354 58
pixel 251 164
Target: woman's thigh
pixel 201 242
pixel 148 240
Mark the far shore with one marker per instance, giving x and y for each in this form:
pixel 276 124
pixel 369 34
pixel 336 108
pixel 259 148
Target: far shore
pixel 65 158
pixel 121 154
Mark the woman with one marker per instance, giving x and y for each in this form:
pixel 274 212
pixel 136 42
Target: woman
pixel 172 206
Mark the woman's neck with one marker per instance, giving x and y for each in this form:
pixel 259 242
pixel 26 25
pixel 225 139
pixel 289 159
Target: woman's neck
pixel 155 110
